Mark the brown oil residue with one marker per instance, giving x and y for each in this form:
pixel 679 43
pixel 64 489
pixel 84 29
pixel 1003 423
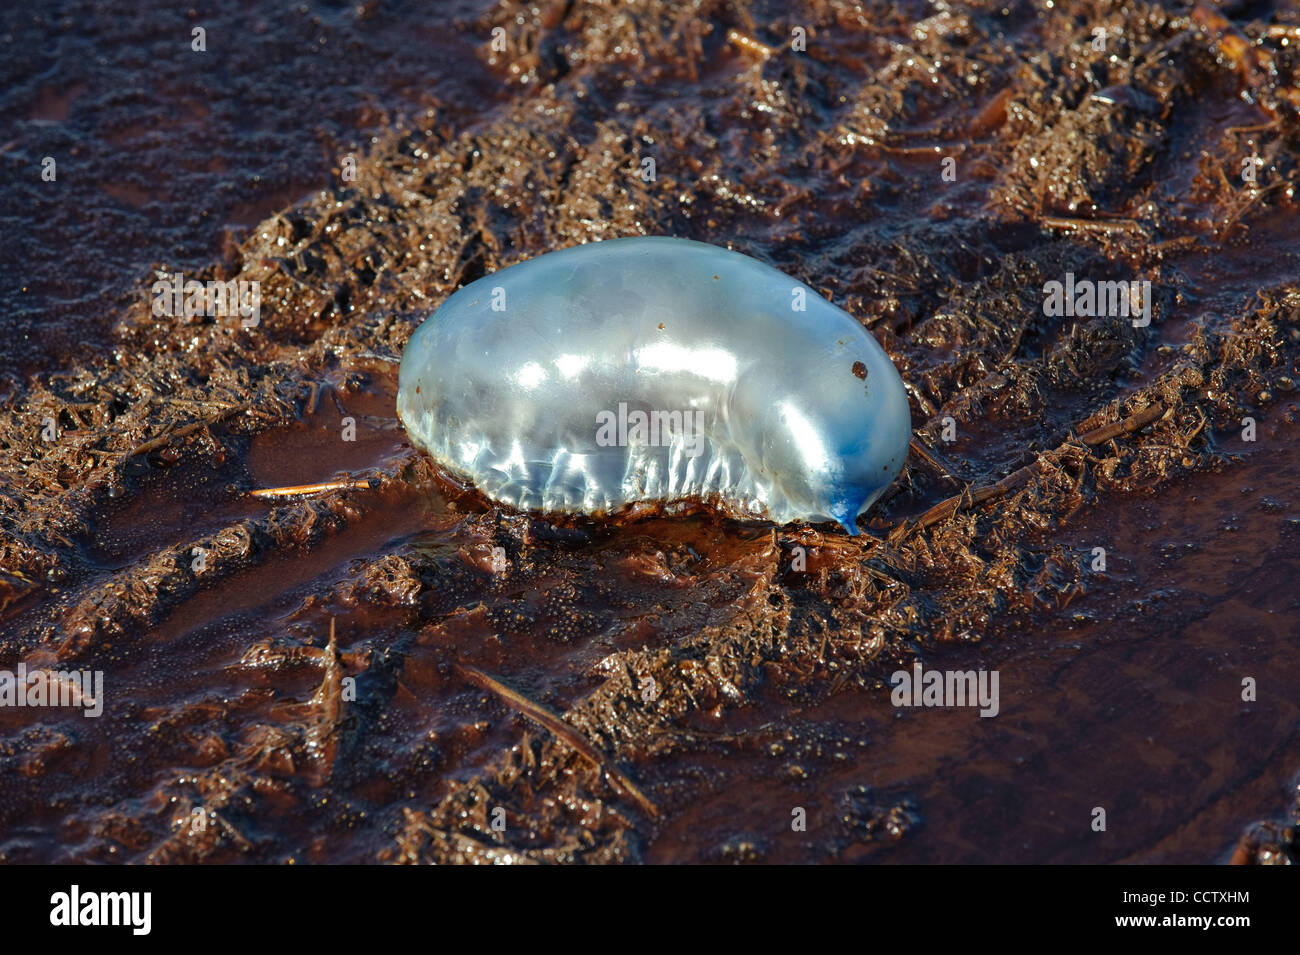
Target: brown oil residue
pixel 367 672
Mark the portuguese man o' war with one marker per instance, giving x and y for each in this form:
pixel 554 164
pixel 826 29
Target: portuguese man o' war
pixel 644 370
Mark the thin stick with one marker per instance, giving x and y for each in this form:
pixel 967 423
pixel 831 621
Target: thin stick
pixel 299 489
pixel 749 44
pixel 932 458
pixel 1130 424
pixel 153 444
pixel 313 398
pixel 1094 225
pixel 970 498
pixel 932 150
pixel 562 730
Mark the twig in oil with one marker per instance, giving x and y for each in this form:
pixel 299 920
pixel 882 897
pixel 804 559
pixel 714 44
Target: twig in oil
pixel 1093 225
pixel 562 730
pixel 971 497
pixel 296 490
pixel 749 44
pixel 162 440
pixel 935 460
pixel 1130 424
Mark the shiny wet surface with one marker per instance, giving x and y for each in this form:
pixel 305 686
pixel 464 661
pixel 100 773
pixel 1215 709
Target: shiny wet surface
pixel 728 688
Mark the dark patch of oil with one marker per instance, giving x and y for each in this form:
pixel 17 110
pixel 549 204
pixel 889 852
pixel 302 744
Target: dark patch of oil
pixel 346 433
pixel 1128 698
pixel 178 151
pixel 1122 692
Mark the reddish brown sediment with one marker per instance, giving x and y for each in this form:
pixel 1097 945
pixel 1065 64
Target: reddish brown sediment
pixel 296 668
